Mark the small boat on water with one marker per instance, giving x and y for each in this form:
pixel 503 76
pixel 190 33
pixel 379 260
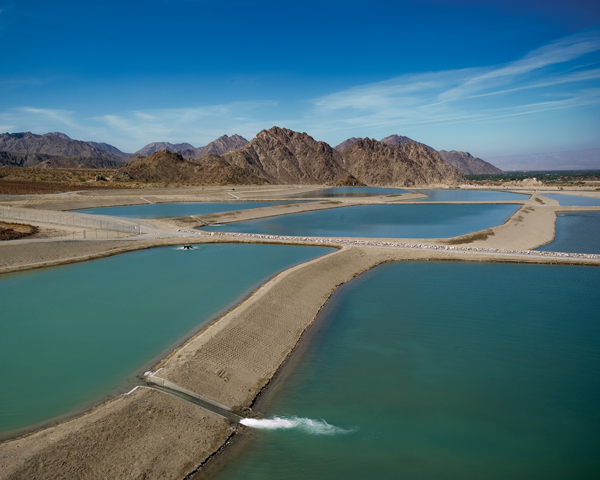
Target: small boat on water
pixel 187 247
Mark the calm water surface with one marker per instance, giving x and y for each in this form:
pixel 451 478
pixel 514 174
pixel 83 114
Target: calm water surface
pixel 350 192
pixel 469 196
pixel 171 210
pixel 576 232
pixel 574 200
pixel 443 371
pixel 379 221
pixel 70 335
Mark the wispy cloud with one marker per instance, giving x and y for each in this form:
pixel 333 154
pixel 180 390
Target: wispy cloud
pixel 64 117
pixel 557 76
pixel 198 125
pixel 131 130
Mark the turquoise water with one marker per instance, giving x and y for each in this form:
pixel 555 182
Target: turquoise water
pixel 70 335
pixel 576 232
pixel 442 371
pixel 350 192
pixel 574 200
pixel 171 210
pixel 379 221
pixel 469 196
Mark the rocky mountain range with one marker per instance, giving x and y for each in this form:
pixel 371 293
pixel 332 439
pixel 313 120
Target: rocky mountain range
pixel 464 162
pixel 467 164
pixel 282 156
pixel 277 155
pixel 221 145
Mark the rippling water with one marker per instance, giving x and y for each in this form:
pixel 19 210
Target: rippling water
pixel 70 335
pixel 443 371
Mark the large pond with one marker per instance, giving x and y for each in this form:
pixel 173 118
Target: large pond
pixel 442 371
pixel 172 210
pixel 576 232
pixel 350 192
pixel 574 200
pixel 469 196
pixel 379 221
pixel 71 335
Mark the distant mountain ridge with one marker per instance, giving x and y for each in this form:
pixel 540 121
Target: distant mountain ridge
pixel 57 144
pixel 467 164
pixel 154 147
pixel 221 145
pixel 105 147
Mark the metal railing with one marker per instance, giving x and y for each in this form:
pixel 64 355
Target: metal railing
pixel 68 219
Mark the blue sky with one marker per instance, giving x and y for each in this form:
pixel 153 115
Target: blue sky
pixel 489 77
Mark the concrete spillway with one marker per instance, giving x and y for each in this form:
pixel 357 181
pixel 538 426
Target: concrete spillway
pixel 175 390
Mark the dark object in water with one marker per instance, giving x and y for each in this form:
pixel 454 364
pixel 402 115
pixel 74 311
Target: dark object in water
pixel 187 247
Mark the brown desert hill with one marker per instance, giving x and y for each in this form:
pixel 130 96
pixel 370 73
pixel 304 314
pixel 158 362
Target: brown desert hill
pixel 347 181
pixel 467 164
pixel 57 144
pixel 165 166
pixel 379 164
pixel 283 156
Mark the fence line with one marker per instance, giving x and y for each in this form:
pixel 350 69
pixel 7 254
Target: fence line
pixel 69 220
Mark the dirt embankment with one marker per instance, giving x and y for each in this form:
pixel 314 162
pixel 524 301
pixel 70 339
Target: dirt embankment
pixel 15 231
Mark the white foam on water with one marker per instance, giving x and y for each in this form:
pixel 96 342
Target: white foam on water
pixel 313 427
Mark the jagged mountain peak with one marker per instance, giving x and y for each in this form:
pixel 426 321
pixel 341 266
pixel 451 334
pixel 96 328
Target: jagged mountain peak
pixel 346 143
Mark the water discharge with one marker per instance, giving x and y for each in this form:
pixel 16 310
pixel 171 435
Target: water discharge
pixel 307 425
